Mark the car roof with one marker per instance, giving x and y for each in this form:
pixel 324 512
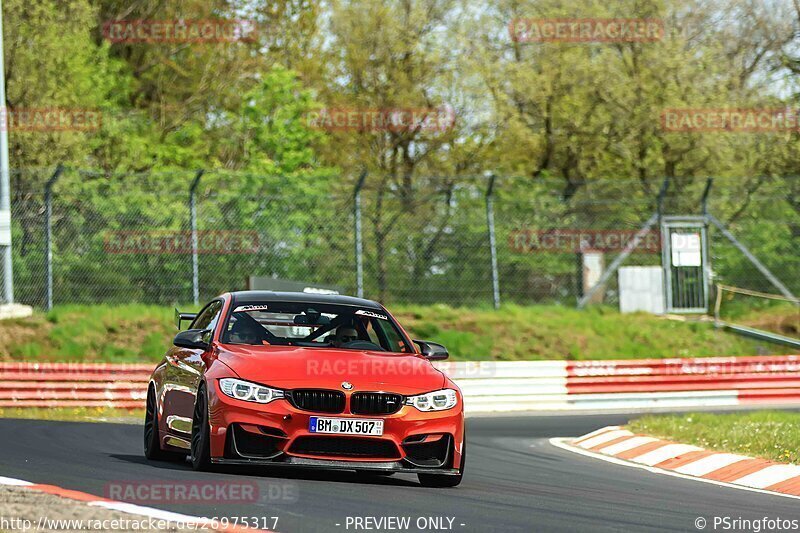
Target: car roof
pixel 253 297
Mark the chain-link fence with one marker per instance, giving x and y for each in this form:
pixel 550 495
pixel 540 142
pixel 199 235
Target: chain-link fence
pixel 89 237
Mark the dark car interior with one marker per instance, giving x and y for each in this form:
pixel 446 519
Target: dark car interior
pixel 339 327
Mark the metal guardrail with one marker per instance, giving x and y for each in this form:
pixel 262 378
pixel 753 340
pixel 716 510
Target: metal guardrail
pixel 760 334
pixel 73 385
pixel 626 384
pixel 488 386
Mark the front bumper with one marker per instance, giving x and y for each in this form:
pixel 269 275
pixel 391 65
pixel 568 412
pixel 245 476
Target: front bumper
pixel 236 424
pixel 320 464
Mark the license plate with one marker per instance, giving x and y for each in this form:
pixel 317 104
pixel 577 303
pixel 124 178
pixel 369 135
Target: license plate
pixel 345 426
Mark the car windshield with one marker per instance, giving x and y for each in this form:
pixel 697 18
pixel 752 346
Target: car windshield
pixel 314 326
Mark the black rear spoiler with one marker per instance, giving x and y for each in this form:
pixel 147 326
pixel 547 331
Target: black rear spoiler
pixel 182 317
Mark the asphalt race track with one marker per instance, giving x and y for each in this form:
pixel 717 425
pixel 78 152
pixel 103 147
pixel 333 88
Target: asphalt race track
pixel 515 481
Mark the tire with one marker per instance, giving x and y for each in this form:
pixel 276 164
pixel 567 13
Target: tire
pixel 152 435
pixel 442 481
pixel 201 435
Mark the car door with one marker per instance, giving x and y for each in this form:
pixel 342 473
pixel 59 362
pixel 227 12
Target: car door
pixel 184 371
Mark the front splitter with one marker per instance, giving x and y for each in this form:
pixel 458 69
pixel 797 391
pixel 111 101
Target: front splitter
pixel 321 464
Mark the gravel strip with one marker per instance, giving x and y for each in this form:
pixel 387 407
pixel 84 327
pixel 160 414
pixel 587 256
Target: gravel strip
pixel 23 509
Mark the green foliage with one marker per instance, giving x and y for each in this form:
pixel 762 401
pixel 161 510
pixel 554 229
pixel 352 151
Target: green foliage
pixel 578 126
pixel 91 333
pixel 134 332
pixel 773 435
pixel 54 61
pixel 555 332
pixel 75 414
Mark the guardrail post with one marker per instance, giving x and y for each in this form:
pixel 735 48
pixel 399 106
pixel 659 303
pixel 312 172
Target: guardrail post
pixel 48 228
pixel 492 242
pixel 193 223
pixel 359 251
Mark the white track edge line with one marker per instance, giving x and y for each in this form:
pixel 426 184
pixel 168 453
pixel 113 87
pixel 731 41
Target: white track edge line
pixel 559 442
pixel 10 481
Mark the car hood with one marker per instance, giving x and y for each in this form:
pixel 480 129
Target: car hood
pixel 290 367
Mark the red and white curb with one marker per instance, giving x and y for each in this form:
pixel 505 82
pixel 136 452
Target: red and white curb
pixel 123 507
pixel 620 446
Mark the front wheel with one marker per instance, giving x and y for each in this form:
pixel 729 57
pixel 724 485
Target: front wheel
pixel 441 481
pixel 152 435
pixel 201 434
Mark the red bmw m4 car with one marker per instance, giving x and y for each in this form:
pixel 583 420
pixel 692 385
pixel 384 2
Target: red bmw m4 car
pixel 305 381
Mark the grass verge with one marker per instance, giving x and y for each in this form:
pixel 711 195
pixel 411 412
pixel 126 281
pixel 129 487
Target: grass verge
pixel 142 333
pixel 554 332
pixel 75 414
pixel 773 435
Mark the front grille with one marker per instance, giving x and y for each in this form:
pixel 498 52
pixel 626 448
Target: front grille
pixel 345 447
pixel 319 401
pixel 375 403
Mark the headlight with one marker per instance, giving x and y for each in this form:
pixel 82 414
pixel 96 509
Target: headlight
pixel 248 392
pixel 439 400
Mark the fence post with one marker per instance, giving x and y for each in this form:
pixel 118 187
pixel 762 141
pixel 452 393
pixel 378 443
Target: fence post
pixel 493 242
pixel 706 192
pixel 359 242
pixel 48 223
pixel 193 223
pixel 7 283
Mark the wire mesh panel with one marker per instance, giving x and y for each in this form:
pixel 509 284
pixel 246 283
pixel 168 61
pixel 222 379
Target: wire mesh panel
pixel 427 246
pixel 549 244
pixel 766 222
pixel 3 293
pixel 272 228
pixel 120 245
pixel 28 231
pixel 129 237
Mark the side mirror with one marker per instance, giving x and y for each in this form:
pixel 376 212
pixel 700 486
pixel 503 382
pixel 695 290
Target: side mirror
pixel 432 350
pixel 194 339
